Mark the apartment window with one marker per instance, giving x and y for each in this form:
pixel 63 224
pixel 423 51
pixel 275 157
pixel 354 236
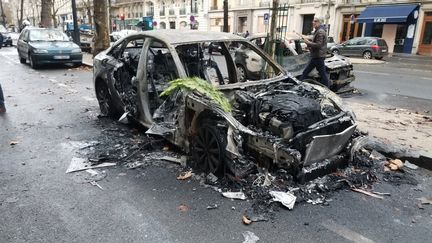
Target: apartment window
pixel 194 8
pixel 162 9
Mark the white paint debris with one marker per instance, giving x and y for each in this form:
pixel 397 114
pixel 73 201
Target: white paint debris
pixel 287 199
pixel 234 195
pixel 79 164
pixel 410 165
pixel 250 237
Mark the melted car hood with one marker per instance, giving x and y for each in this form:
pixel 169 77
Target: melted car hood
pixel 54 45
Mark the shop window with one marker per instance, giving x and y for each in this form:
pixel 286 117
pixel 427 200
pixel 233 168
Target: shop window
pixel 377 30
pixel 427 35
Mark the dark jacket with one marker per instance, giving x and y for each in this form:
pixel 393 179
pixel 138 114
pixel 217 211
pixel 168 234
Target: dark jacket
pixel 318 47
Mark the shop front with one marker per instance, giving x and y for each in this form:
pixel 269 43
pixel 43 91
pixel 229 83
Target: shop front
pixel 425 43
pixel 395 23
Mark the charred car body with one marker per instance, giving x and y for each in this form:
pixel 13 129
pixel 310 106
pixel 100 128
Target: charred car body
pixel 276 121
pixel 294 59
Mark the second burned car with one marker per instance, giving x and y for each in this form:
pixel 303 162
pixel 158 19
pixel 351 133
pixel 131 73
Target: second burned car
pixel 275 121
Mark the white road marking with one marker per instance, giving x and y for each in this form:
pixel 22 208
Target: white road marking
pixel 385 74
pixel 426 78
pixel 345 232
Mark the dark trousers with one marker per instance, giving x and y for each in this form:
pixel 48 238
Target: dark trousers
pixel 317 63
pixel 1 97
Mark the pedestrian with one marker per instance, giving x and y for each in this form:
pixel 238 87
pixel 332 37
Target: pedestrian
pixel 1 40
pixel 247 34
pixel 2 105
pixel 318 50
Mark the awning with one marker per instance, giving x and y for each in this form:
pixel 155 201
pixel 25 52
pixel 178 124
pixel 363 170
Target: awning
pixel 387 13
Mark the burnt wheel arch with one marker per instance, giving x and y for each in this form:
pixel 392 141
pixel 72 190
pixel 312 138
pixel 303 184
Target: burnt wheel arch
pixel 106 104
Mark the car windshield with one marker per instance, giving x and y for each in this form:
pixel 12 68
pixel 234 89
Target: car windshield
pixel 47 35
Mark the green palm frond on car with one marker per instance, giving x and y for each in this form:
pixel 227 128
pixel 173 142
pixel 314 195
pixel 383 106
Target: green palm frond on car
pixel 200 86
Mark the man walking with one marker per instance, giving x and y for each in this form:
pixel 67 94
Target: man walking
pixel 318 50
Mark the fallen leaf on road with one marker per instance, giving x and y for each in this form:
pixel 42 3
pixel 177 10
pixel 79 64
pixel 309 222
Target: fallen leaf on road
pixel 245 220
pixel 185 175
pixel 183 208
pixel 13 143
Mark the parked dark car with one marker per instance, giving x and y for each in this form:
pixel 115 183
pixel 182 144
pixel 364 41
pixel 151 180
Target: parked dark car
pixel 275 119
pixel 47 46
pixel 366 47
pixel 6 38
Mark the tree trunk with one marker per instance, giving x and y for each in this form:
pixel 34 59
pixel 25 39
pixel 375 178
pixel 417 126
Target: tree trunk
pixel 46 14
pixel 2 13
pixel 90 18
pixel 54 14
pixel 20 19
pixel 101 41
pixel 274 15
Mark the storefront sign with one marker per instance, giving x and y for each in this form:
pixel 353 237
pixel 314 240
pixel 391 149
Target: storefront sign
pixel 380 20
pixel 410 32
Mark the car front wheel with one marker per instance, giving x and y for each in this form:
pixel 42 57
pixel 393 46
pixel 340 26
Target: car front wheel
pixel 208 147
pixel 32 61
pixel 335 52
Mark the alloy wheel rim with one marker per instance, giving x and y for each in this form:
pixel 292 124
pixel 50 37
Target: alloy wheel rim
pixel 207 148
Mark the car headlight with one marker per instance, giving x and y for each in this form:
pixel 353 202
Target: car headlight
pixel 77 50
pixel 40 51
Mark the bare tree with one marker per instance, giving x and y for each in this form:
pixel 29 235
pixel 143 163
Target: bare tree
pixel 2 13
pixel 46 13
pixel 55 11
pixel 101 26
pixel 87 5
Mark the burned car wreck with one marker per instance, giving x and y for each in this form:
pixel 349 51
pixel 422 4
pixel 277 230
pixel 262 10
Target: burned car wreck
pixel 271 120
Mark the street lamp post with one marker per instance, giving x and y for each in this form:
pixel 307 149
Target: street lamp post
pixel 76 33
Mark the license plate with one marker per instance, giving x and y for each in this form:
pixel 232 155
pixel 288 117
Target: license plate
pixel 61 57
pixel 384 50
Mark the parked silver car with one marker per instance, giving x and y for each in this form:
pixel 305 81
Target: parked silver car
pixel 366 47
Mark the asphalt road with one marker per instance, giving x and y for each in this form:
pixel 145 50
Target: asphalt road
pixel 401 82
pixel 52 111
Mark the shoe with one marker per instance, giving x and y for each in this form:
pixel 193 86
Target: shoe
pixel 2 109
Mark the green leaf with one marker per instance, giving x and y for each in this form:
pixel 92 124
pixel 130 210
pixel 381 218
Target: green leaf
pixel 200 86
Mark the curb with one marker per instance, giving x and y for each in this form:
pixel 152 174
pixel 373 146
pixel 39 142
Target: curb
pixel 365 61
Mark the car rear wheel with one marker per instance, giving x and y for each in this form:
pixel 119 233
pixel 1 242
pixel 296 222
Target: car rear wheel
pixel 367 55
pixel 106 104
pixel 241 73
pixel 335 52
pixel 208 147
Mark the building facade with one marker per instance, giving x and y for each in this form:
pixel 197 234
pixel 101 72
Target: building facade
pixel 166 14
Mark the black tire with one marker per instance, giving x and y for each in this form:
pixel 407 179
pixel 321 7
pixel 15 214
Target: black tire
pixel 208 147
pixel 241 73
pixel 379 58
pixel 335 52
pixel 106 104
pixel 367 55
pixel 22 60
pixel 33 64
